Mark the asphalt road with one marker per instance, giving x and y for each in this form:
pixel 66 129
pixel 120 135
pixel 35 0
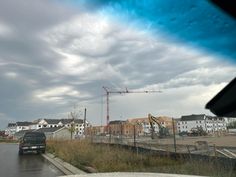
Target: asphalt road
pixel 27 165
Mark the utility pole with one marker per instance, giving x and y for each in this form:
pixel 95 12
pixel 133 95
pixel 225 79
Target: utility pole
pixel 134 136
pixel 108 92
pixel 85 111
pixel 173 123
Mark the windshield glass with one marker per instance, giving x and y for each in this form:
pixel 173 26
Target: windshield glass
pixel 137 74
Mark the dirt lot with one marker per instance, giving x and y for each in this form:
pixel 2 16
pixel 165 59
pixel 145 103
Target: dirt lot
pixel 228 141
pixel 225 141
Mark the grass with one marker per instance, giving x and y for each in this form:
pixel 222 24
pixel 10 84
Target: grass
pixel 105 158
pixel 4 140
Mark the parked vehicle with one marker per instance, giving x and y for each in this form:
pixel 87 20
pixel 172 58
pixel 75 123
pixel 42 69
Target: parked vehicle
pixel 197 132
pixel 163 131
pixel 32 141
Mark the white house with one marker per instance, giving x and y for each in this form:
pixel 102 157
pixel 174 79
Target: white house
pixel 11 129
pixel 78 125
pixel 47 123
pixel 68 123
pixel 209 124
pixel 22 126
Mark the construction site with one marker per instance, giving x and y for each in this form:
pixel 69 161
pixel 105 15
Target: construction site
pixel 164 133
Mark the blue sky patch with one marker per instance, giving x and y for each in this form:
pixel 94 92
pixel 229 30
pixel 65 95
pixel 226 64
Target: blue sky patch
pixel 198 23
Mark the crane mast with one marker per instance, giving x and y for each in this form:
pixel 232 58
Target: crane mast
pixel 108 92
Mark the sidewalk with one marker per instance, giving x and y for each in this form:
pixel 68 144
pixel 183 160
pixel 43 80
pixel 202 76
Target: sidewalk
pixel 118 174
pixel 65 167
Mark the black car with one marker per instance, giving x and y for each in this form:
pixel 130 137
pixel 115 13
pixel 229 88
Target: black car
pixel 32 141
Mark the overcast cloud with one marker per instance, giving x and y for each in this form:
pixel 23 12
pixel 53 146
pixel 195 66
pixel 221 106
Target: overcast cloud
pixel 53 56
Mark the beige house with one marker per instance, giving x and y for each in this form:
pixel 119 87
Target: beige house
pixel 146 127
pixel 56 133
pixel 95 130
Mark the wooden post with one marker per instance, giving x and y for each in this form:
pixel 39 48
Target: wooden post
pixel 134 136
pixel 173 124
pixel 121 133
pixel 189 152
pixel 85 111
pixel 215 150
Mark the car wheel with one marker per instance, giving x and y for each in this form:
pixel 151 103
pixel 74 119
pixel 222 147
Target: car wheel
pixel 21 152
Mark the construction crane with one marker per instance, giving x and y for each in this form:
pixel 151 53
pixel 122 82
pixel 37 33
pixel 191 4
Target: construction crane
pixel 108 92
pixel 163 131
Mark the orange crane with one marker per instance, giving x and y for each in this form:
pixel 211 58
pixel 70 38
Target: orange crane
pixel 108 92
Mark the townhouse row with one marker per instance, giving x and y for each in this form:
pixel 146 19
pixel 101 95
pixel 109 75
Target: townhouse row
pixel 209 124
pixel 142 126
pixel 77 124
pixel 129 127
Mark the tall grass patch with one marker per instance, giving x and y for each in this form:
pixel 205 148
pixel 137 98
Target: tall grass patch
pixel 105 158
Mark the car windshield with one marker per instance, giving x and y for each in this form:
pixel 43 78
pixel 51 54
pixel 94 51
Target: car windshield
pixel 143 75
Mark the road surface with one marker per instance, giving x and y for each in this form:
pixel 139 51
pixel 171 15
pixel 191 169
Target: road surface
pixel 28 165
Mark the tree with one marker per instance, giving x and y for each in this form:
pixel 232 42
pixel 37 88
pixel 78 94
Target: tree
pixel 73 115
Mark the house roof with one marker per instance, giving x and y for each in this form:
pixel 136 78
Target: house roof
pixel 192 117
pixel 23 123
pixel 223 104
pixel 52 121
pixel 68 121
pixel 49 130
pixel 116 122
pixel 11 125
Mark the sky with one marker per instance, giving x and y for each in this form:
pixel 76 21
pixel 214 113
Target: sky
pixel 56 56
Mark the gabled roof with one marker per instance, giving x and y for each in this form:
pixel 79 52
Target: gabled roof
pixel 223 104
pixel 23 123
pixel 68 121
pixel 11 125
pixel 52 121
pixel 49 130
pixel 116 122
pixel 192 117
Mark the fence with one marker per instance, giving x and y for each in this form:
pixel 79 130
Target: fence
pixel 188 145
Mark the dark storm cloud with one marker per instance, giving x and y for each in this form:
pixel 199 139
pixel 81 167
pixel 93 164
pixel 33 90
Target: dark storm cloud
pixel 29 16
pixel 52 57
pixel 26 61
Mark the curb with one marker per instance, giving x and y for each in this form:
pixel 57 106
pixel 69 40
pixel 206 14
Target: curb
pixel 132 174
pixel 65 167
